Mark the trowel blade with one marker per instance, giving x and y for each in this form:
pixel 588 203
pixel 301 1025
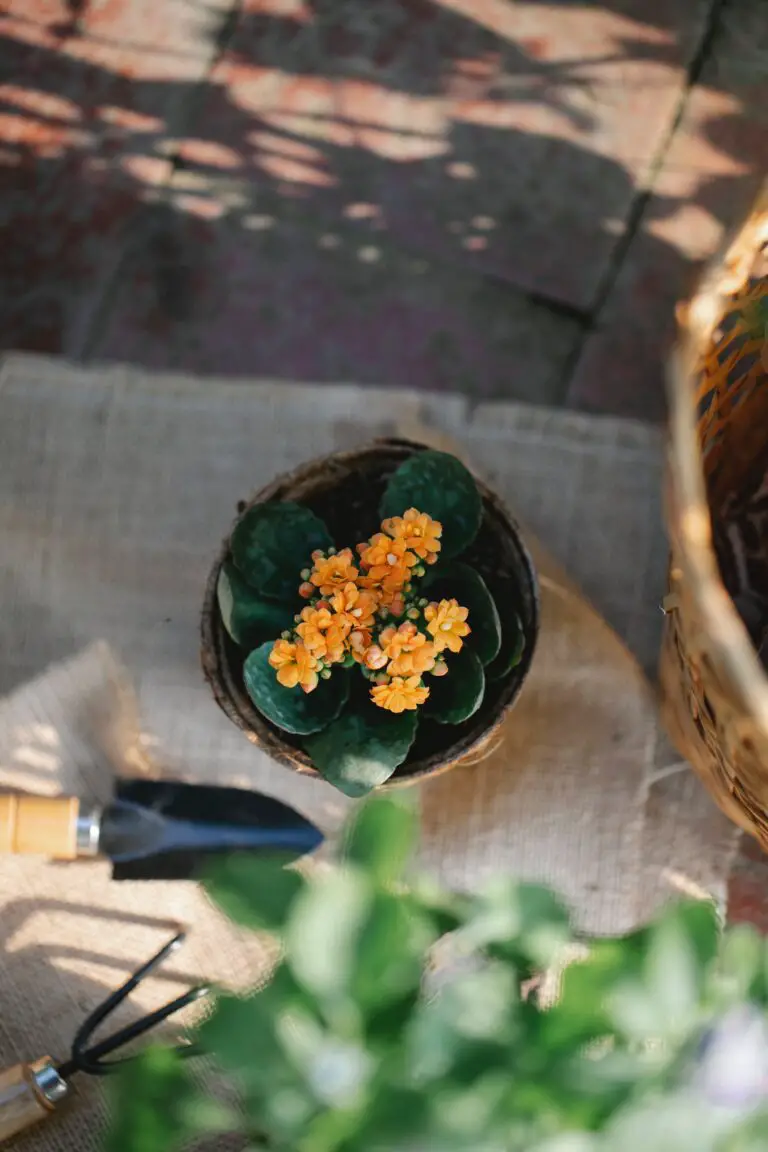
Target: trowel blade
pixel 168 830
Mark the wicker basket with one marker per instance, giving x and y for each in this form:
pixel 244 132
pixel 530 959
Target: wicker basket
pixel 345 489
pixel 714 688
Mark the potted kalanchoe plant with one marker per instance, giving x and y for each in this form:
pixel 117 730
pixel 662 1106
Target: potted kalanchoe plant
pixel 371 617
pixel 401 1016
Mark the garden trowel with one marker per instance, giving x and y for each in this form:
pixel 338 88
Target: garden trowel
pixel 155 829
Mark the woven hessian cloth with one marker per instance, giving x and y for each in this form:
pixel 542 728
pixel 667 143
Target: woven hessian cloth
pixel 116 489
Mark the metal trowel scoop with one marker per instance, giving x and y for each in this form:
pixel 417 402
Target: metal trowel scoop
pixel 155 829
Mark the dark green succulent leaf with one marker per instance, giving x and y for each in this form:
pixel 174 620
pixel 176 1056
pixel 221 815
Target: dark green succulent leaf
pixel 458 695
pixel 249 618
pixel 292 709
pixel 460 582
pixel 381 837
pixel 273 542
pixel 512 647
pixel 360 750
pixel 441 486
pixel 256 893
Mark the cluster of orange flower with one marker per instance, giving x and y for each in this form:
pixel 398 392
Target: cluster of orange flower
pixel 368 612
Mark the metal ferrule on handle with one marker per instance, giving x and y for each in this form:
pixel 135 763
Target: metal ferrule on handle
pixel 28 1093
pixel 51 826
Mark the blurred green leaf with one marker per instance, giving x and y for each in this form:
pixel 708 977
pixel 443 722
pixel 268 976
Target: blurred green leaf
pixel 149 1099
pixel 740 970
pixel 526 918
pixel 256 893
pixel 324 932
pixel 393 940
pixel 673 976
pixel 357 1044
pixel 381 837
pixel 475 1006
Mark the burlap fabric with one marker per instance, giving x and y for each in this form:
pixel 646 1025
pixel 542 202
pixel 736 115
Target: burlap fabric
pixel 115 489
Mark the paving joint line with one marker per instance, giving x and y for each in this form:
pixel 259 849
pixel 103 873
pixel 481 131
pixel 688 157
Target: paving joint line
pixel 712 24
pixel 140 222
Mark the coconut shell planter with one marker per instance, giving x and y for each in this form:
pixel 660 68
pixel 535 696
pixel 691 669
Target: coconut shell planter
pixel 371 617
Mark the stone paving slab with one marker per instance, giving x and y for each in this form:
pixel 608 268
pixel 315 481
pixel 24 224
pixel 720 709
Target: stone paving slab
pixel 712 170
pixel 424 193
pixel 509 137
pixel 88 94
pixel 259 298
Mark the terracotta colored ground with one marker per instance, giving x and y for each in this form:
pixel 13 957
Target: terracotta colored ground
pixel 499 197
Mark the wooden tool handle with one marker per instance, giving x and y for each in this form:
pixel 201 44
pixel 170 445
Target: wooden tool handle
pixel 39 825
pixel 22 1103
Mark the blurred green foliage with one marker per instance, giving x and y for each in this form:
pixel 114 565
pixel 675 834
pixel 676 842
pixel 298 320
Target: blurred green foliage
pixel 365 1040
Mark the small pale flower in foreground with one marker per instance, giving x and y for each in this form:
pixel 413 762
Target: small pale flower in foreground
pixel 400 695
pixel 294 665
pixel 447 624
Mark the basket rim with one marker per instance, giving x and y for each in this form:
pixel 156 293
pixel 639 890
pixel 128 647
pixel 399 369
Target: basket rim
pixel 255 728
pixel 697 323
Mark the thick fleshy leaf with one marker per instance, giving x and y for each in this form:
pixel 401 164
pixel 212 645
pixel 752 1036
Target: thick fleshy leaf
pixel 512 648
pixel 292 709
pixel 381 837
pixel 249 618
pixel 457 696
pixel 441 486
pixel 460 582
pixel 361 750
pixel 271 543
pixel 254 892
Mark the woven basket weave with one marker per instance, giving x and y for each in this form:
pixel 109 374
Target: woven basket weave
pixel 714 687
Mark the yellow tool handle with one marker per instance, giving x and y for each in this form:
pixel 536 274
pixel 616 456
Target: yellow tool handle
pixel 39 825
pixel 22 1102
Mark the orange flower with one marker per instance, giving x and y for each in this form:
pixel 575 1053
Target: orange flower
pixel 400 695
pixel 414 663
pixel 356 607
pixel 383 556
pixel 294 665
pixel 447 624
pixel 332 572
pixel 387 568
pixel 388 589
pixel 323 633
pixel 359 643
pixel 375 658
pixel 409 651
pixel 418 532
